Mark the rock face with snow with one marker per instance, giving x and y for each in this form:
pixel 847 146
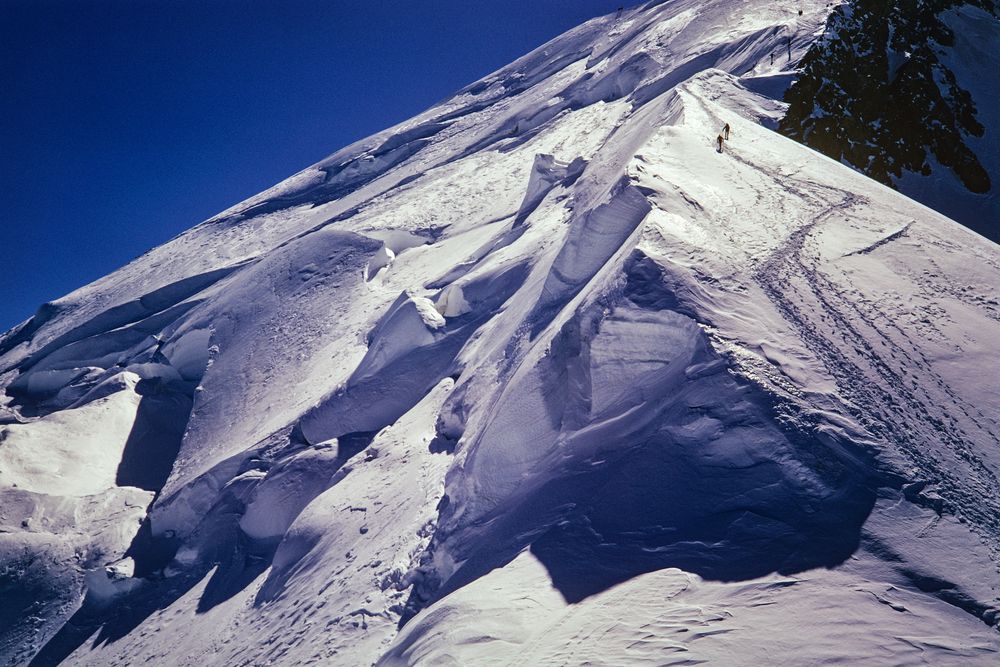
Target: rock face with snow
pixel 906 92
pixel 537 377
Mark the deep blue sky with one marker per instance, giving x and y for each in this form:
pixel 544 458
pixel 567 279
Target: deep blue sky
pixel 123 123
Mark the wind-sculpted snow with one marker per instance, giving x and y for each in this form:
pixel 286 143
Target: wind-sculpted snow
pixel 538 377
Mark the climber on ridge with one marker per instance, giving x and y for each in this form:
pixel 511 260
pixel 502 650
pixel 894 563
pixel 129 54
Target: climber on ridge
pixel 719 140
pixel 725 131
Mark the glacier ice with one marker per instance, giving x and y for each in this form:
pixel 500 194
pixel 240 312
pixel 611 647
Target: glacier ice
pixel 536 377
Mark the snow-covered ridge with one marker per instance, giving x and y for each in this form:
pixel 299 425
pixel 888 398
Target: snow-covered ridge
pixel 538 377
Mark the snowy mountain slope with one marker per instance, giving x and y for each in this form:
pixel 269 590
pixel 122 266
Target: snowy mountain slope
pixel 906 92
pixel 538 376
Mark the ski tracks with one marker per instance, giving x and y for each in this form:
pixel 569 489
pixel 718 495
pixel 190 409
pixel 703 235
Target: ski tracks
pixel 870 368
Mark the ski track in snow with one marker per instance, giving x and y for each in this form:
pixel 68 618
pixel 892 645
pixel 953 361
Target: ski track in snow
pixel 537 377
pixel 900 409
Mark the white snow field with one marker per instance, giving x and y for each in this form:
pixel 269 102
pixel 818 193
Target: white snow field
pixel 535 378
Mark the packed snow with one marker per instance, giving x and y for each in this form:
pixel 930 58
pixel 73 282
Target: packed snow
pixel 538 377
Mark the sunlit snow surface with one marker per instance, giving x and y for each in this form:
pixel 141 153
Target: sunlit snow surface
pixel 538 377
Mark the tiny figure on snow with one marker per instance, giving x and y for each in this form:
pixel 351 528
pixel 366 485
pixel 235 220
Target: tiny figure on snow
pixel 725 131
pixel 719 139
pixel 772 57
pixel 620 10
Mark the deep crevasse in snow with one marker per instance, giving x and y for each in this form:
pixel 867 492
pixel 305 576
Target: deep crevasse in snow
pixel 539 373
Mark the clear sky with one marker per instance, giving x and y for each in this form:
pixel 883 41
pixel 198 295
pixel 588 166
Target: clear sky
pixel 125 122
